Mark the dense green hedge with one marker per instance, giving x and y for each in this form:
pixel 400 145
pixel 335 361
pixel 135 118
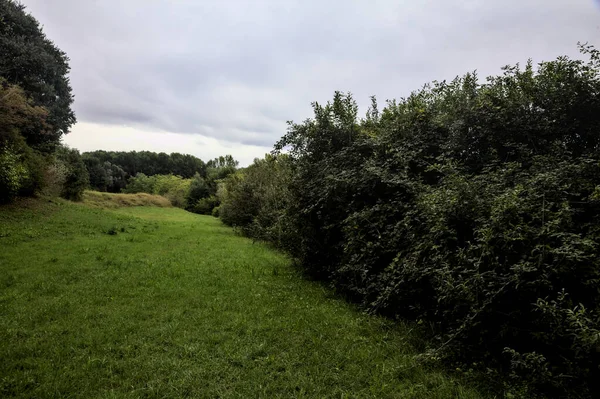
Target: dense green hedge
pixel 472 208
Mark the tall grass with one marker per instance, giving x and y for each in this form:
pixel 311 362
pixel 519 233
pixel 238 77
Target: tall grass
pixel 110 200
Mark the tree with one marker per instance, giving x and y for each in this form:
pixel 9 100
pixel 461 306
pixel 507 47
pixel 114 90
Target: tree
pixel 77 177
pixel 198 189
pixel 20 167
pixel 32 61
pixel 150 163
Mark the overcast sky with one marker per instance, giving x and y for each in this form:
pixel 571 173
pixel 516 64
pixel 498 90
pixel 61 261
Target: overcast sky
pixel 214 77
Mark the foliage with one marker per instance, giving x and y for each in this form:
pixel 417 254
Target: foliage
pixel 18 113
pixel 174 188
pixel 202 197
pixel 199 188
pixel 55 176
pixel 12 174
pixel 105 176
pixel 22 168
pixel 221 166
pixel 255 200
pixel 472 207
pixel 183 179
pixel 140 183
pixel 146 162
pixel 204 206
pixel 32 61
pixel 77 178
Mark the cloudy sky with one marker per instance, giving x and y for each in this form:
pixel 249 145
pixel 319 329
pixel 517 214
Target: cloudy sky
pixel 213 77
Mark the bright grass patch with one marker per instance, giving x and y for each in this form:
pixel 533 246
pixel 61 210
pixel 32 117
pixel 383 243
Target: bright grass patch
pixel 158 302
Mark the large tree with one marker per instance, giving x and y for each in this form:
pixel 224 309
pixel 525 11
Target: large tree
pixel 32 61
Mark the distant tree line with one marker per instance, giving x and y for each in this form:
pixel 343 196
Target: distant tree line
pixel 134 162
pixel 185 180
pixel 470 207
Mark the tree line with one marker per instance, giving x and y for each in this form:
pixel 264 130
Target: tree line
pixel 470 207
pixel 197 194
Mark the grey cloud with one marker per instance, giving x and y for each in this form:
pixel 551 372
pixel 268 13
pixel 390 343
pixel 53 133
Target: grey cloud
pixel 238 70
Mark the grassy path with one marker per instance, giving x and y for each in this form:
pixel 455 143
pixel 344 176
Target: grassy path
pixel 157 302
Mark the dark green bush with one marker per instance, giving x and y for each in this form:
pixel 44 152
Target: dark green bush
pixel 77 178
pixel 473 207
pixel 205 206
pixel 199 188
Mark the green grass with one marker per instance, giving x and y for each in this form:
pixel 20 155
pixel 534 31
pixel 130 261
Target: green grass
pixel 157 302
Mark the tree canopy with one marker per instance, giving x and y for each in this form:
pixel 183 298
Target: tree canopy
pixel 148 163
pixel 33 62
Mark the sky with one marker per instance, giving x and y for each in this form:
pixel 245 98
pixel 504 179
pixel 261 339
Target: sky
pixel 215 77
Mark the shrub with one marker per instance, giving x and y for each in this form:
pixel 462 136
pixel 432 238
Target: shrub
pixel 13 174
pixel 77 178
pixel 199 188
pixel 21 169
pixel 205 206
pixel 256 199
pixel 140 183
pixel 473 207
pixel 174 188
pixel 55 176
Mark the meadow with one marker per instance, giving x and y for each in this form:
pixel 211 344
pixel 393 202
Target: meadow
pixel 105 301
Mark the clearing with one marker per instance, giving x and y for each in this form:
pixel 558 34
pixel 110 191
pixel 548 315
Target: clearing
pixel 158 302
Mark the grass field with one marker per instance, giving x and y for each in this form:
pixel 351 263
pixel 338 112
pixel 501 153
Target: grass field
pixel 157 302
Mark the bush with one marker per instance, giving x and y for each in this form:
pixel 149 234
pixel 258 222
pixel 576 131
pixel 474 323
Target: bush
pixel 77 178
pixel 140 183
pixel 13 174
pixel 256 199
pixel 205 206
pixel 55 176
pixel 21 170
pixel 199 188
pixel 473 207
pixel 174 188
